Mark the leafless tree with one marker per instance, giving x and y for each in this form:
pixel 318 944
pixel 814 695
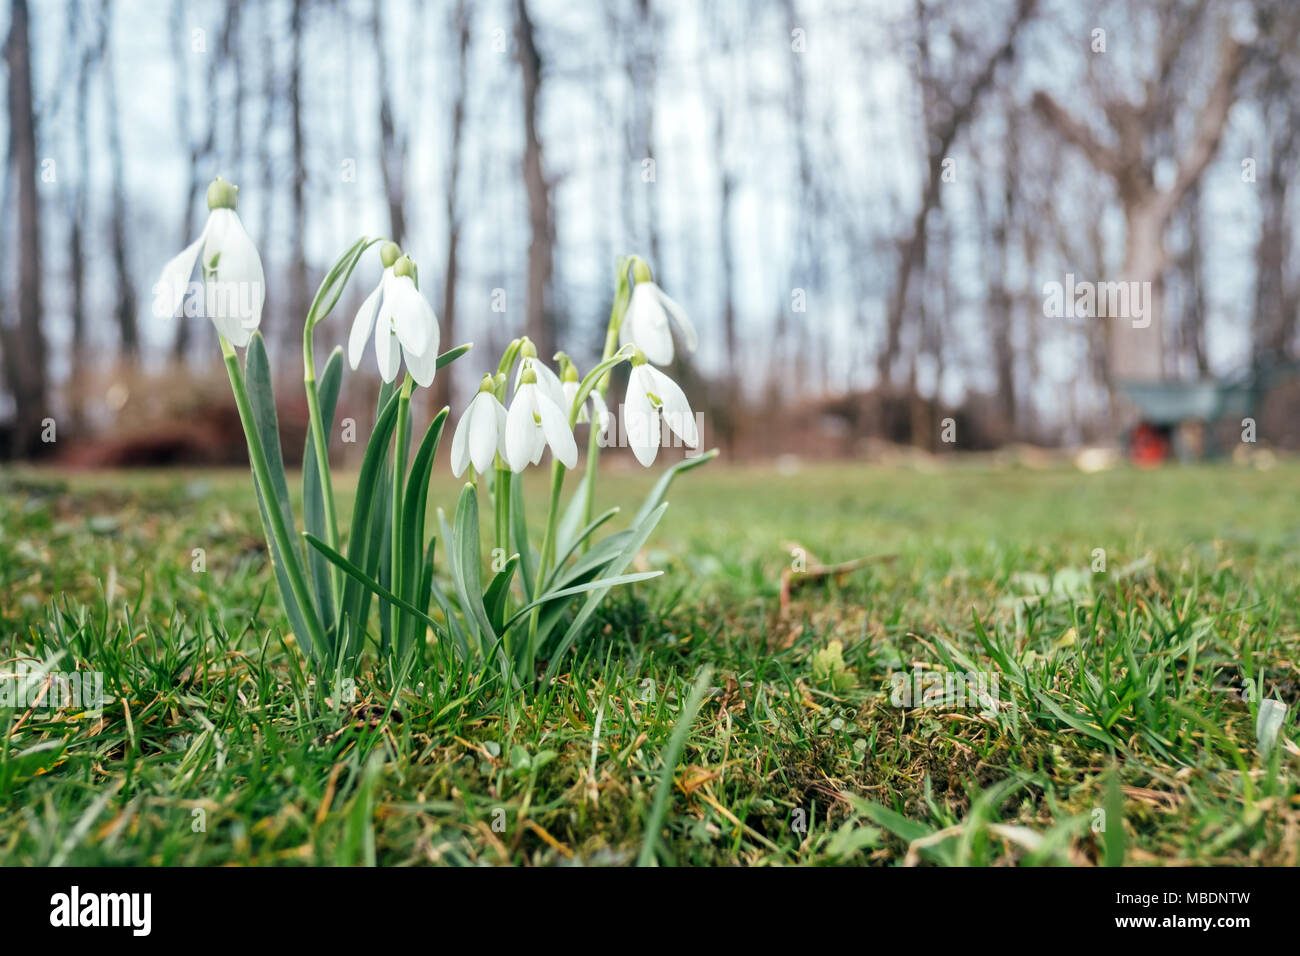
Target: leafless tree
pixel 539 322
pixel 24 341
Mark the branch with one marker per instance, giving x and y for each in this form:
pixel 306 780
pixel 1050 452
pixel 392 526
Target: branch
pixel 1104 158
pixel 1212 121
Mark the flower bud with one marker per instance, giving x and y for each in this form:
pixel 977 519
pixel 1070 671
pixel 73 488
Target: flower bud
pixel 641 270
pixel 488 384
pixel 389 253
pixel 528 377
pixel 222 195
pixel 404 266
pixel 526 348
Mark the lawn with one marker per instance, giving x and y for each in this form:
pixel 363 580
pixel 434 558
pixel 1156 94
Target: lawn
pixel 1123 729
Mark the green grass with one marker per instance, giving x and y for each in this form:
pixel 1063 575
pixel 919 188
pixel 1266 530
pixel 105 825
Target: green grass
pixel 1119 692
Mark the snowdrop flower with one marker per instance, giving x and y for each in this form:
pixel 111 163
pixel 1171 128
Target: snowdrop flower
pixel 649 393
pixel 547 380
pixel 569 384
pixel 234 285
pixel 535 421
pixel 404 324
pixel 481 432
pixel 646 322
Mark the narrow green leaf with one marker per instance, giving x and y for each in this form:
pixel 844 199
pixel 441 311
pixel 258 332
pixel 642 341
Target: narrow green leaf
pixel 606 583
pixel 567 550
pixel 666 479
pixel 313 502
pixel 336 280
pixel 449 356
pixel 365 581
pixel 615 567
pixel 676 744
pixel 261 400
pixel 528 556
pixel 363 548
pixel 414 503
pixel 494 599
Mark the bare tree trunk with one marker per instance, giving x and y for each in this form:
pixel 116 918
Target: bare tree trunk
pixel 125 309
pixel 298 271
pixel 539 321
pixel 391 165
pixel 25 342
pixel 1136 349
pixel 266 194
pixel 641 69
pixel 442 385
pixel 941 141
pixel 77 215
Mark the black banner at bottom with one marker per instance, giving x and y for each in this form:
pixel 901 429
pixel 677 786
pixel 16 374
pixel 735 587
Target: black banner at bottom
pixel 182 907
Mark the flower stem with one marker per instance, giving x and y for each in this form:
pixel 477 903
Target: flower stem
pixel 546 558
pixel 319 443
pixel 622 294
pixel 274 516
pixel 399 473
pixel 501 503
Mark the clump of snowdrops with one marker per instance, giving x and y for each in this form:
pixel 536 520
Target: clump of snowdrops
pixel 529 601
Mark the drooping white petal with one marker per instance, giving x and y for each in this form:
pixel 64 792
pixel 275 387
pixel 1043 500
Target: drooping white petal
pixel 484 437
pixel 646 325
pixel 499 411
pixel 570 393
pixel 555 426
pixel 363 325
pixel 677 413
pixel 683 322
pixel 602 412
pixel 641 419
pixel 421 367
pixel 411 315
pixel 175 280
pixel 460 441
pixel 547 379
pixel 389 353
pixel 236 285
pixel 521 429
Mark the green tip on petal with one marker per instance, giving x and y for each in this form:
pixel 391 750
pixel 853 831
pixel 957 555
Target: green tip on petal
pixel 641 271
pixel 389 253
pixel 528 377
pixel 222 195
pixel 404 266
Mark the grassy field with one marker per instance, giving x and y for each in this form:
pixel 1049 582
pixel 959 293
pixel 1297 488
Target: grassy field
pixel 1120 731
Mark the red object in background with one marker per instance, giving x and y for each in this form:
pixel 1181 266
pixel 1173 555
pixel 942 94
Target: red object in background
pixel 1149 446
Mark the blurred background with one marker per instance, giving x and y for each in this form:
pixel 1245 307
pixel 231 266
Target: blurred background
pixel 863 206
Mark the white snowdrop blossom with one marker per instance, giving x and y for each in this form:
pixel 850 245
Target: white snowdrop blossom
pixel 547 380
pixel 593 403
pixel 481 432
pixel 404 324
pixel 646 323
pixel 234 285
pixel 650 395
pixel 535 421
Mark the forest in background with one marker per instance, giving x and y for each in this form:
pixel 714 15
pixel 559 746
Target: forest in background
pixel 859 204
